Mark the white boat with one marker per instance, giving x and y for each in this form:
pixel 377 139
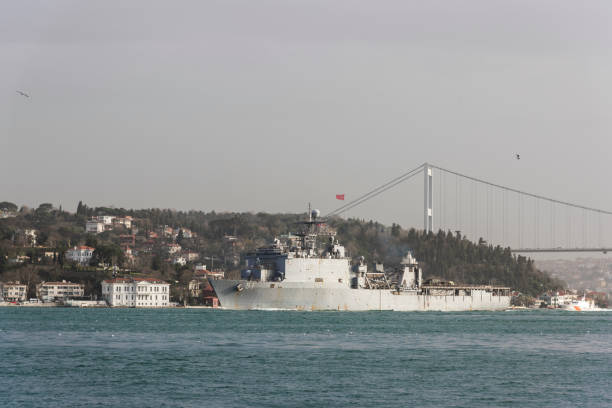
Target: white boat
pixel 581 305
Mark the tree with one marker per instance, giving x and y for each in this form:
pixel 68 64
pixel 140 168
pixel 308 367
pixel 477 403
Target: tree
pixel 91 241
pixel 42 238
pixel 110 254
pixel 8 206
pixel 44 208
pixel 156 262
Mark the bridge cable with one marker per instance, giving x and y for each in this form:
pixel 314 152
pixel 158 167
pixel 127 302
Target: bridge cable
pixel 376 191
pixel 523 192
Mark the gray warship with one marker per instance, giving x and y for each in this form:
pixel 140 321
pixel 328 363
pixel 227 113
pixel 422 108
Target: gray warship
pixel 310 270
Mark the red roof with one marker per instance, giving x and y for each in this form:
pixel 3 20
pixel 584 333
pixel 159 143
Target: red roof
pixel 117 280
pixel 84 247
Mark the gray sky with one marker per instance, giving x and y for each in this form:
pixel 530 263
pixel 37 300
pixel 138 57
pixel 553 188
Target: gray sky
pixel 267 105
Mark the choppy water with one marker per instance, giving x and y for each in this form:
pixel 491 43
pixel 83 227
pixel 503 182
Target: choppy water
pixel 57 357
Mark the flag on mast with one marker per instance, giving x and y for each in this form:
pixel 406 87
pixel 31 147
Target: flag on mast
pixel 339 196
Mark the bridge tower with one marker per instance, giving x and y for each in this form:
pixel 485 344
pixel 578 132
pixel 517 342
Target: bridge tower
pixel 428 182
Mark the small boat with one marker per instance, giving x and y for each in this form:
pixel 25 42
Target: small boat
pixel 582 305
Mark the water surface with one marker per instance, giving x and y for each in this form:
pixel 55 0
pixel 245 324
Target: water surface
pixel 196 357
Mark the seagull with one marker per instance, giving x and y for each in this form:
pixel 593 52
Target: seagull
pixel 23 94
pixel 518 156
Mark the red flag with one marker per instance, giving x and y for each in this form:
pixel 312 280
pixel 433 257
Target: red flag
pixel 339 196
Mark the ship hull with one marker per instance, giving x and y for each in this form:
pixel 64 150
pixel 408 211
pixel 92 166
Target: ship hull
pixel 297 296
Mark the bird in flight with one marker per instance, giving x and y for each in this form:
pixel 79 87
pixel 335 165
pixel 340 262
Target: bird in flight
pixel 23 94
pixel 518 156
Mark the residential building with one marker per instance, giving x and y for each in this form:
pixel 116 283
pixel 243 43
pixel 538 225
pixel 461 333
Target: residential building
pixel 94 227
pixel 173 248
pixel 179 260
pixel 19 259
pixel 167 231
pixel 81 254
pixel 105 219
pixel 50 254
pixel 187 233
pixel 194 288
pixel 7 214
pixel 13 291
pixel 50 291
pixel 30 236
pixel 136 292
pixel 191 256
pixel 125 221
pixel 209 274
pixel 127 239
pixel 129 254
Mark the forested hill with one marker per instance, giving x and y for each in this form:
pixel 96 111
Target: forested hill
pixel 445 255
pixel 442 255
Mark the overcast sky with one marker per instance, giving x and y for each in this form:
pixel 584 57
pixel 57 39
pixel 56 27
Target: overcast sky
pixel 269 105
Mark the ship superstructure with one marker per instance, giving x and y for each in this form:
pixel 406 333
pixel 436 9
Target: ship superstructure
pixel 311 270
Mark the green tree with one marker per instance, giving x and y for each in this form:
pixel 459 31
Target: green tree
pixel 110 254
pixel 8 206
pixel 44 208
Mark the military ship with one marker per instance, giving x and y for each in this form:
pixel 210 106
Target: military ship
pixel 310 270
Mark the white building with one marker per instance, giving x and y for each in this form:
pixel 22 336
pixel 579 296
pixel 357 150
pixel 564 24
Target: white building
pixel 191 256
pixel 179 260
pixel 136 292
pixel 125 221
pixel 49 291
pixel 94 226
pixel 7 214
pixel 104 219
pixel 30 236
pixel 13 291
pixel 80 254
pixel 187 233
pixel 173 248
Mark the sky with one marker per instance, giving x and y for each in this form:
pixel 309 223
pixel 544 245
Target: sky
pixel 269 105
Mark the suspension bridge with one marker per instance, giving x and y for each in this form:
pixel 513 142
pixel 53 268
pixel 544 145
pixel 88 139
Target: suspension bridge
pixel 493 214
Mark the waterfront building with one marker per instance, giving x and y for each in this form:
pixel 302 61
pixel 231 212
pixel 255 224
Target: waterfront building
pixel 51 291
pixel 13 291
pixel 81 254
pixel 194 288
pixel 136 292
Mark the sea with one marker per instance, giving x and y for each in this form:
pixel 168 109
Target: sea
pixel 70 357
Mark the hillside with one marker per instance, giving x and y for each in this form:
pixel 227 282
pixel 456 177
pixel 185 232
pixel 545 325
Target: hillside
pixel 168 243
